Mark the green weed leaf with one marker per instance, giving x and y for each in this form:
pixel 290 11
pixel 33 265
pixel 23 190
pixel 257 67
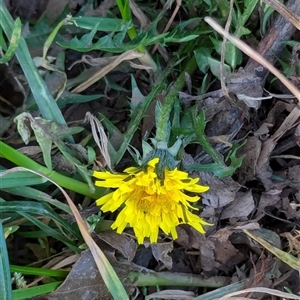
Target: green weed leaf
pixel 218 167
pixel 249 7
pixel 233 55
pixel 205 62
pixel 35 290
pixel 5 280
pixel 114 43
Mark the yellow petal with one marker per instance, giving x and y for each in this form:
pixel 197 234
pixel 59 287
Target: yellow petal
pixel 149 203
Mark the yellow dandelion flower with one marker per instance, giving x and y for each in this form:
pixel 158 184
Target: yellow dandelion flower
pixel 149 202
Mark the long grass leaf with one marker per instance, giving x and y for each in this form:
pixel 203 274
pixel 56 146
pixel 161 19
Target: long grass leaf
pixel 34 194
pixel 38 271
pixel 50 231
pixel 35 291
pixel 5 280
pixel 19 179
pixel 35 208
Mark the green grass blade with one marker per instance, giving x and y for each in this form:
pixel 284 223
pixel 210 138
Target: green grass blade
pixel 35 291
pixel 37 234
pixel 35 208
pixel 50 231
pixel 34 194
pixel 39 271
pixel 20 179
pixel 5 280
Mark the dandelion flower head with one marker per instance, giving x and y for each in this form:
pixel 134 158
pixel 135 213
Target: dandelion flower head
pixel 150 202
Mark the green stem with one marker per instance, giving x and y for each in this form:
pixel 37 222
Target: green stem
pixel 177 279
pixel 125 11
pixel 64 181
pixel 164 115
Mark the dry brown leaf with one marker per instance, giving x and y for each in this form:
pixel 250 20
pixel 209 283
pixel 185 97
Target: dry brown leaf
pixel 128 55
pixel 291 208
pixel 127 246
pixel 100 137
pixel 294 175
pixel 297 135
pixel 252 151
pixel 223 234
pixel 285 12
pixel 240 208
pixel 139 14
pixel 172 294
pixel 102 9
pixel 56 7
pixel 262 290
pixel 278 108
pixel 254 55
pixel 208 262
pixel 225 253
pixel 222 191
pixel 56 263
pixel 161 253
pixel 262 170
pixel 294 242
pixel 266 199
pixel 189 238
pixel 219 255
pixel 85 282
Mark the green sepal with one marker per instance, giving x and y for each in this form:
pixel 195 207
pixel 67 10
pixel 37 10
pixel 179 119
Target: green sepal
pixel 166 161
pixel 135 154
pixel 147 148
pixel 175 148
